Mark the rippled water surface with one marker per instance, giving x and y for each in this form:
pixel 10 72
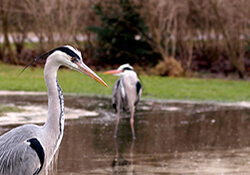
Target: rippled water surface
pixel 172 138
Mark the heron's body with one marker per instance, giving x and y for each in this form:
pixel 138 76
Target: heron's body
pixel 30 148
pixel 126 93
pixel 16 151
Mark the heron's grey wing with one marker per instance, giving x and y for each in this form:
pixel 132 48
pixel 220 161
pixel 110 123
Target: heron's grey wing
pixel 119 96
pixel 20 150
pixel 138 91
pixel 123 95
pixel 21 159
pixel 115 94
pixel 16 136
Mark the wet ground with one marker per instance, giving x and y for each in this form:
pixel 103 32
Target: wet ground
pixel 172 138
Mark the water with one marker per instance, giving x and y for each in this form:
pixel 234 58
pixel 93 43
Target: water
pixel 172 138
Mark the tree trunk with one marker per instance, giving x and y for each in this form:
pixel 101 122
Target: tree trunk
pixel 190 49
pixel 7 44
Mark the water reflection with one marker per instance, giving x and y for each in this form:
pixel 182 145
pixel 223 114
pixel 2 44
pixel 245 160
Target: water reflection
pixel 122 163
pixel 197 139
pixel 172 138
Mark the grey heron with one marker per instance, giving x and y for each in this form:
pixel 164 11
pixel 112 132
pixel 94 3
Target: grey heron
pixel 126 93
pixel 30 148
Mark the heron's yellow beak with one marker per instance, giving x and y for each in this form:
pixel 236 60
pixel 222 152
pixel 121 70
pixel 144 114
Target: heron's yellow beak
pixel 87 71
pixel 112 72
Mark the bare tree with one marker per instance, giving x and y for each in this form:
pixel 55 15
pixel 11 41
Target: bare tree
pixel 210 26
pixel 60 21
pixel 177 29
pixel 161 17
pixel 20 25
pixel 234 29
pixel 5 19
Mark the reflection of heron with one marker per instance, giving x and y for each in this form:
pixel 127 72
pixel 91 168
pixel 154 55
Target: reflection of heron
pixel 119 161
pixel 126 92
pixel 30 148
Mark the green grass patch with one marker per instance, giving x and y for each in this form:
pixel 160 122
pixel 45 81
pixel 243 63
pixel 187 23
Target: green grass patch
pixel 153 86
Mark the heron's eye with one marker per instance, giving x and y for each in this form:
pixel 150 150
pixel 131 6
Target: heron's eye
pixel 74 59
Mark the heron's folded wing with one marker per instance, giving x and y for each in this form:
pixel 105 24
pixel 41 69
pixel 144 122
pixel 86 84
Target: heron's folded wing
pixel 19 159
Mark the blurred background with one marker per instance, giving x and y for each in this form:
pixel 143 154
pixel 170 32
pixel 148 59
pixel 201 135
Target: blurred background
pixel 180 124
pixel 163 37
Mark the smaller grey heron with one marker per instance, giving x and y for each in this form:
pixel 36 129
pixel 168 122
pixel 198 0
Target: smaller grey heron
pixel 126 93
pixel 29 149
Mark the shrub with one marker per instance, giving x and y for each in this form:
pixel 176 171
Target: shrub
pixel 121 37
pixel 168 67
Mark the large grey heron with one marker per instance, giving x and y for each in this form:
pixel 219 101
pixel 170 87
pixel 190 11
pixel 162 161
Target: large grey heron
pixel 28 149
pixel 126 93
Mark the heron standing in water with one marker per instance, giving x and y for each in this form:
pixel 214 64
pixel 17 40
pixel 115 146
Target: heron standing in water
pixel 28 149
pixel 126 93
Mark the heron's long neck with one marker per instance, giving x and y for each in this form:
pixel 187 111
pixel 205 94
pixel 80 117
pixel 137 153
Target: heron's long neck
pixel 54 126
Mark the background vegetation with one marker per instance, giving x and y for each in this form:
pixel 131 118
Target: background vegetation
pixel 153 86
pixel 163 37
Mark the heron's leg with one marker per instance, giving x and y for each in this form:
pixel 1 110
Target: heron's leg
pixel 117 121
pixel 132 122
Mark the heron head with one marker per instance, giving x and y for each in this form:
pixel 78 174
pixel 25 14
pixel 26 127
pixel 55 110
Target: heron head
pixel 71 58
pixel 74 61
pixel 121 69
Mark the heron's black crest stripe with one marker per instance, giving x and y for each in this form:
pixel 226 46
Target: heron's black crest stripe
pixel 35 144
pixel 68 51
pixel 63 49
pixel 48 53
pixel 128 68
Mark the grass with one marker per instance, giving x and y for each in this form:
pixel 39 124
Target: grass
pixel 197 89
pixel 154 87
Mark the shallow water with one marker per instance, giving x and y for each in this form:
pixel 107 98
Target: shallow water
pixel 172 138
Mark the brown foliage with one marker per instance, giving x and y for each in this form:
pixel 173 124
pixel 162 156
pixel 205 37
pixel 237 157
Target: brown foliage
pixel 168 67
pixel 177 29
pixel 180 27
pixel 52 22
